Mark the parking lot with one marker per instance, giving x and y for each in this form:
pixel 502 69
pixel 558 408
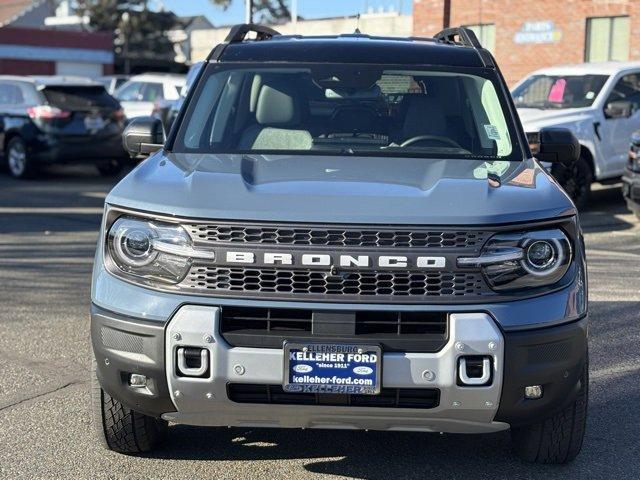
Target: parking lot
pixel 48 231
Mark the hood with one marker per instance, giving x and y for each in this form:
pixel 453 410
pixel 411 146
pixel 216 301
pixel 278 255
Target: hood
pixel 338 189
pixel 533 119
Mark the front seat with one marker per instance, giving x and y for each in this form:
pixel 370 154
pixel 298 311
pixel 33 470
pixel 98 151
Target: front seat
pixel 278 118
pixel 425 116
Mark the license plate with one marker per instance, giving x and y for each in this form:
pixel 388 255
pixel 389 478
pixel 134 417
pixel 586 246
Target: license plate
pixel 332 368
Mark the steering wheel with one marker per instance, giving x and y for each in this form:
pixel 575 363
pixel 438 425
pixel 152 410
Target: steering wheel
pixel 434 138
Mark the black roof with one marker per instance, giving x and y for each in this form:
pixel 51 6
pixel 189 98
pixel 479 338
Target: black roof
pixel 355 48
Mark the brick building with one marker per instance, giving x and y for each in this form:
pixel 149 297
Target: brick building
pixel 525 35
pixel 28 47
pixel 34 51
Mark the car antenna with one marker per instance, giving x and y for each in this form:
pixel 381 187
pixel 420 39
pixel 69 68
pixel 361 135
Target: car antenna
pixel 358 32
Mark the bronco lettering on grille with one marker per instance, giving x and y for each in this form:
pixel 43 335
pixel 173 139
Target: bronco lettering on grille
pixel 327 260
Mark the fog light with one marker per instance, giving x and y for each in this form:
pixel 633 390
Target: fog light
pixel 533 391
pixel 137 381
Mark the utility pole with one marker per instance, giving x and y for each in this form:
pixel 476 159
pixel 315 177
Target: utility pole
pixel 446 14
pixel 248 11
pixel 294 15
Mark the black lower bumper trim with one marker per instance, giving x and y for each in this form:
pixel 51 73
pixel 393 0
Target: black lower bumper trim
pixel 389 397
pixel 552 357
pixel 124 345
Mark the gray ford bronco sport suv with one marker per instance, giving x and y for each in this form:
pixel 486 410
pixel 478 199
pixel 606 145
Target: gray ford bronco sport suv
pixel 342 232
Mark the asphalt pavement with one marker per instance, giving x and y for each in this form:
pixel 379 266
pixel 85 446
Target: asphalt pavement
pixel 48 231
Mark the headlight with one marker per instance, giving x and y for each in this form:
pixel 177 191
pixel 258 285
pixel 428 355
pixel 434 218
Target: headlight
pixel 149 250
pixel 510 261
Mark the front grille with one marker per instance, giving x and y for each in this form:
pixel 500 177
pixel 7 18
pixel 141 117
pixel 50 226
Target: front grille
pixel 401 323
pixel 422 398
pixel 334 237
pixel 259 279
pixel 392 330
pixel 263 281
pixel 265 320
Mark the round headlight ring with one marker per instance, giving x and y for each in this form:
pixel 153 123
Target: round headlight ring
pixel 134 246
pixel 543 257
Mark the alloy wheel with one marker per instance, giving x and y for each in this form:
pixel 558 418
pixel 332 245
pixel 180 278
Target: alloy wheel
pixel 17 159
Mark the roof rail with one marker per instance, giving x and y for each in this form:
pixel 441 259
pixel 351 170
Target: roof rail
pixel 465 36
pixel 238 33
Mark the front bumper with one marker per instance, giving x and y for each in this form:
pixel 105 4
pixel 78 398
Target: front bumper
pixel 631 190
pixel 552 357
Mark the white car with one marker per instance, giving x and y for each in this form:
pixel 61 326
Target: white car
pixel 142 94
pixel 599 103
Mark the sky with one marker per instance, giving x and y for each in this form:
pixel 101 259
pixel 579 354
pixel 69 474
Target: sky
pixel 306 8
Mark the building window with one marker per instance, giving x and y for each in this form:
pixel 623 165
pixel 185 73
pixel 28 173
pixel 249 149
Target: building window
pixel 607 39
pixel 486 33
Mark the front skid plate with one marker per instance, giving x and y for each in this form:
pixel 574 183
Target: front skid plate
pixel 203 401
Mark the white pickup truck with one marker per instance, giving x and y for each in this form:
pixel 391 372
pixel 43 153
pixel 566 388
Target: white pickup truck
pixel 599 103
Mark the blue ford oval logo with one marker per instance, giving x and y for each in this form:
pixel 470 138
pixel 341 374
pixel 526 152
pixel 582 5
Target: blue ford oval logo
pixel 302 368
pixel 362 370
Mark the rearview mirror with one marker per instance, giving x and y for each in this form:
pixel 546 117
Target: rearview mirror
pixel 558 145
pixel 143 136
pixel 618 109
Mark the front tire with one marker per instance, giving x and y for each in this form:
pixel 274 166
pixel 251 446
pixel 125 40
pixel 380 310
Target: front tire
pixel 19 163
pixel 556 440
pixel 121 429
pixel 576 180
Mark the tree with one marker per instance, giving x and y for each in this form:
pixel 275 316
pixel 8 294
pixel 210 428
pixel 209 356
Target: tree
pixel 265 11
pixel 139 31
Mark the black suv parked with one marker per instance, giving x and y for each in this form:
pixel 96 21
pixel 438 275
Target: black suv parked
pixel 45 120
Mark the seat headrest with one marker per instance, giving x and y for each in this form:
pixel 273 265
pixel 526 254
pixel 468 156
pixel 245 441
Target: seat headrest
pixel 425 116
pixel 278 105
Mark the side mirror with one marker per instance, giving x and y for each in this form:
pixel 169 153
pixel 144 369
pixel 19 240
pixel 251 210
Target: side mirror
pixel 558 145
pixel 618 109
pixel 143 136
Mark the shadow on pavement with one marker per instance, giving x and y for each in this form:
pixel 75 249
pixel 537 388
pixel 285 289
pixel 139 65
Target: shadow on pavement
pixel 604 210
pixel 62 199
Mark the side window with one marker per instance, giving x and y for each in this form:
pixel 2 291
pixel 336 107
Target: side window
pixel 627 89
pixel 119 82
pixel 11 94
pixel 130 92
pixel 152 92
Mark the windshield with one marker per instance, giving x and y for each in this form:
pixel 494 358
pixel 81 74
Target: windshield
pixel 558 91
pixel 345 109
